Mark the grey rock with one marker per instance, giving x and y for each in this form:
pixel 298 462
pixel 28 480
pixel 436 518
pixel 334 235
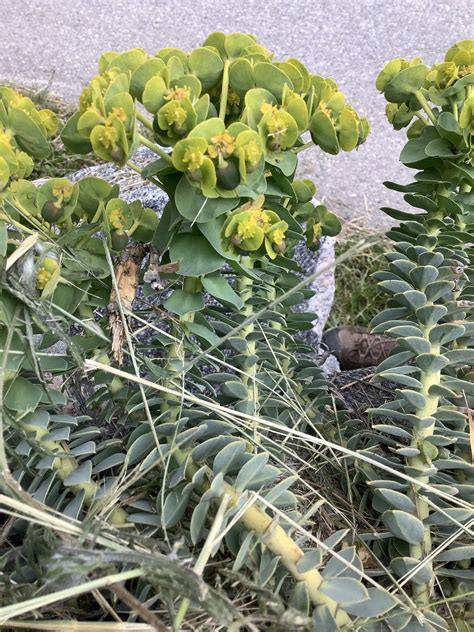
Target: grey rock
pixel 132 186
pixel 330 366
pixel 322 264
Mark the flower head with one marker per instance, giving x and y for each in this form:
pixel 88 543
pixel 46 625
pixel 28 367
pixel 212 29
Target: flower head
pixel 252 152
pixel 233 102
pixel 118 214
pixel 247 229
pixel 108 136
pixel 261 217
pixel 323 107
pixel 221 145
pixel 42 278
pixel 268 107
pixel 466 70
pixel 254 229
pixel 116 218
pixel 63 189
pixel 116 114
pixel 178 94
pixel 279 128
pixel 49 121
pixel 194 158
pixel 47 269
pixel 85 99
pixel 278 236
pixel 174 114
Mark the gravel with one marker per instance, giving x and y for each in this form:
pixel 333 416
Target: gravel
pixel 58 43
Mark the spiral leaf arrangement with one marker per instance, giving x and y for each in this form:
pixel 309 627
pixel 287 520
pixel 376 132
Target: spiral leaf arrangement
pixel 430 313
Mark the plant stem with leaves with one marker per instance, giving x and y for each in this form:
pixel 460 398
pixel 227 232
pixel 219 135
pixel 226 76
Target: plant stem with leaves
pixel 247 333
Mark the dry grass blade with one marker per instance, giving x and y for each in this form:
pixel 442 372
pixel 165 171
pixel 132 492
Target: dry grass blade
pixel 37 513
pixel 137 607
pixel 357 297
pixel 22 249
pixel 77 626
pixel 17 609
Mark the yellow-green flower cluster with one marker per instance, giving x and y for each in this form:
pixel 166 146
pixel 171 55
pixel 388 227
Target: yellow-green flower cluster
pixel 335 124
pixel 24 135
pixel 106 120
pixel 55 196
pixel 414 90
pixel 253 230
pixel 234 119
pixel 119 220
pixel 48 268
pixel 217 159
pixel 230 76
pixel 458 64
pixel 109 123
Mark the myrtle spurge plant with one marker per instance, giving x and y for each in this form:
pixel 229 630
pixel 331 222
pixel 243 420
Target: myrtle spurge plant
pixel 24 135
pixel 227 123
pixel 430 313
pixel 172 449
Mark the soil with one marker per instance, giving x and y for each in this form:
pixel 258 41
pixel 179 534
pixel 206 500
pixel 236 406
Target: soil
pixel 359 393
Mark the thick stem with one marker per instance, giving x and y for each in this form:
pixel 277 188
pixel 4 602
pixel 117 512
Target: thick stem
pixel 144 120
pixel 253 518
pixel 225 91
pixel 303 147
pixel 137 169
pixel 275 538
pixel 287 371
pixel 281 346
pixel 154 148
pixel 65 465
pixel 245 287
pixel 42 226
pixel 21 227
pixel 175 353
pixel 420 117
pixel 421 462
pixel 426 106
pixel 97 214
pixel 454 107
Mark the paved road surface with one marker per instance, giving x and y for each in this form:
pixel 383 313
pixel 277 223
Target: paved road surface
pixel 59 41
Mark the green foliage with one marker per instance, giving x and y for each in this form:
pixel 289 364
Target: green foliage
pixel 24 134
pixel 157 462
pixel 177 444
pixel 430 312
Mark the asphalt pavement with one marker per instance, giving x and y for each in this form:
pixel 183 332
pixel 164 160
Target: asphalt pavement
pixel 57 43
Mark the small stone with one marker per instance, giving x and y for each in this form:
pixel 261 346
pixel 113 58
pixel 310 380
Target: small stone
pixel 330 366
